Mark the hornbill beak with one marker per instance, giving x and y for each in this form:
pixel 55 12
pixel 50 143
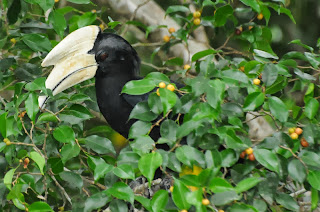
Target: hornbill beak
pixel 72 62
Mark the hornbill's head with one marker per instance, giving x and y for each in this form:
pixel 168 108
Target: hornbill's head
pixel 85 53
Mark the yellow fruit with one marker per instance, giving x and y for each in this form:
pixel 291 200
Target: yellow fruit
pixel 196 21
pixel 197 14
pixel 294 135
pixel 171 30
pixel 56 1
pixel 186 67
pixel 249 151
pixel 93 11
pixel 183 210
pixel 186 170
pixel 260 16
pixel 166 38
pixel 162 85
pixel 250 27
pixel 13 40
pixel 20 161
pixel 170 87
pixel 205 202
pixel 220 210
pixel 158 93
pixel 256 81
pixel 298 130
pixel 291 130
pixel 241 68
pixel 171 189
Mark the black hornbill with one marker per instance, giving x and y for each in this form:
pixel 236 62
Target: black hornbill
pixel 87 53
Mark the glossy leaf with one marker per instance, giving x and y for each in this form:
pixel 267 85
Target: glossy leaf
pixel 121 191
pixel 138 87
pixel 32 105
pixel 267 158
pixel 100 145
pixel 278 108
pixel 40 161
pixel 159 200
pixel 148 164
pixel 64 134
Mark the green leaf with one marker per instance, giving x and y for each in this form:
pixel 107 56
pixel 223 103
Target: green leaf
pixel 37 84
pixel 215 93
pixel 202 54
pixel 79 1
pixel 39 207
pixel 187 127
pixel 177 8
pixel 37 42
pixel 75 114
pixel 228 158
pixel 56 165
pixel 124 171
pixel 222 14
pixel 3 124
pixel 148 164
pixel 139 128
pixel 311 158
pixel 311 108
pixel 218 185
pixel 168 99
pixel 118 205
pixel 74 180
pixel 314 198
pixel 253 4
pixel 253 100
pixel 100 145
pixel 86 19
pixel 265 54
pixel 101 170
pixel 7 180
pixel 314 179
pixel 154 103
pixel 46 4
pixel 69 151
pixel 190 156
pixel 247 184
pixel 40 161
pixel 97 200
pixel 278 108
pixel 297 171
pixel 121 191
pixel 2 146
pixel 142 144
pixel 269 74
pixel 298 42
pixel 179 194
pixel 176 61
pixel 142 111
pixel 138 87
pixel 47 117
pixel 145 202
pixel 159 200
pixel 32 106
pixel 313 59
pixel 168 129
pixel 158 77
pixel 224 198
pixel 287 201
pixel 64 134
pixel 58 22
pixel 267 158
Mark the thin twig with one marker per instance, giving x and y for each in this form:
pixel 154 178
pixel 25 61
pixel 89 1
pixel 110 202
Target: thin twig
pixel 63 191
pixel 296 156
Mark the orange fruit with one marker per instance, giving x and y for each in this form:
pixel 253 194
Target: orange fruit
pixel 304 143
pixel 171 30
pixel 251 157
pixel 298 130
pixel 249 151
pixel 166 38
pixel 158 93
pixel 250 27
pixel 243 154
pixel 260 16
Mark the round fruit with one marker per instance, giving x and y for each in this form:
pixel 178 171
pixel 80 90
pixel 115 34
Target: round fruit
pixel 162 85
pixel 93 11
pixel 183 210
pixel 186 67
pixel 304 143
pixel 250 27
pixel 249 151
pixel 238 31
pixel 256 81
pixel 171 189
pixel 20 161
pixel 241 68
pixel 13 40
pixel 205 202
pixel 291 130
pixel 220 210
pixel 166 38
pixel 251 157
pixel 26 162
pixel 56 1
pixel 196 21
pixel 171 30
pixel 298 130
pixel 243 154
pixel 294 135
pixel 260 16
pixel 197 14
pixel 158 93
pixel 170 87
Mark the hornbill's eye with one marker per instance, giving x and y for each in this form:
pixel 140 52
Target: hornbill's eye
pixel 103 56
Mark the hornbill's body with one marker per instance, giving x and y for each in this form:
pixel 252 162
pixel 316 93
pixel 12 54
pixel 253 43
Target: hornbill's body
pixel 86 53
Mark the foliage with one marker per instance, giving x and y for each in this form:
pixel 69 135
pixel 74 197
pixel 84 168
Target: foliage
pixel 62 158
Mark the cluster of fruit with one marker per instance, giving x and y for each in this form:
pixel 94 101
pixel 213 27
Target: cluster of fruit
pixel 239 29
pixel 294 133
pixel 248 152
pixel 170 87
